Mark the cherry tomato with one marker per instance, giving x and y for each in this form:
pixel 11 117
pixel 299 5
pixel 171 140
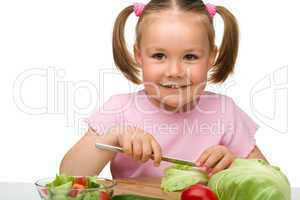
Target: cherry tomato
pixel 198 192
pixel 82 180
pixel 103 196
pixel 44 192
pixel 76 188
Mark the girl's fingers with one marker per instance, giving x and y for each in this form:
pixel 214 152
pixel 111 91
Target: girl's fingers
pixel 127 146
pixel 213 159
pixel 147 150
pixel 157 152
pixel 223 164
pixel 204 156
pixel 137 149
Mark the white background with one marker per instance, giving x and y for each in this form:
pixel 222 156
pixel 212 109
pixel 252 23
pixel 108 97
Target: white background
pixel 46 46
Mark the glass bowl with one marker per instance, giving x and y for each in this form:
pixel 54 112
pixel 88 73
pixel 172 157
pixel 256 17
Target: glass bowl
pixel 57 193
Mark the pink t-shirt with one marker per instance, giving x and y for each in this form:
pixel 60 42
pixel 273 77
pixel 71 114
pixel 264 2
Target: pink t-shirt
pixel 215 120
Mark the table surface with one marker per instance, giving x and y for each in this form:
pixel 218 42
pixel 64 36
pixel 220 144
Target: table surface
pixel 27 191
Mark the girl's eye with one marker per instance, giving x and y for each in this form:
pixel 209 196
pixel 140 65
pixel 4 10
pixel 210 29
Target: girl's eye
pixel 191 57
pixel 158 56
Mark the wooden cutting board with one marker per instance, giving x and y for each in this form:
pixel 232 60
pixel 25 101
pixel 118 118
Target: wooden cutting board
pixel 149 187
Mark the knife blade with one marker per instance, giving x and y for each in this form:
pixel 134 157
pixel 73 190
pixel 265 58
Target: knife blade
pixel 116 149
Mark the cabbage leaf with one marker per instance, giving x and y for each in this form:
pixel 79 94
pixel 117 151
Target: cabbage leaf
pixel 251 179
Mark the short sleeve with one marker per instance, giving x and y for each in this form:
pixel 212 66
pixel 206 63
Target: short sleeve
pixel 105 117
pixel 239 135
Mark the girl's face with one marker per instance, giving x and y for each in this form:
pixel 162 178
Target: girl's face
pixel 175 58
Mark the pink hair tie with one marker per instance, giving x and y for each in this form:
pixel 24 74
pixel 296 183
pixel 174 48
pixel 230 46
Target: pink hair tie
pixel 211 9
pixel 138 8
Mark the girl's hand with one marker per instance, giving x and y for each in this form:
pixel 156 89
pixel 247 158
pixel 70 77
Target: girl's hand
pixel 138 144
pixel 215 159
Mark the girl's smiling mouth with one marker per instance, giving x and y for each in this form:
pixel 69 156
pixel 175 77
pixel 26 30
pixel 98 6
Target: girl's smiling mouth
pixel 174 87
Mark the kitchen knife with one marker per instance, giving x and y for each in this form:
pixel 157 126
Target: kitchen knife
pixel 167 159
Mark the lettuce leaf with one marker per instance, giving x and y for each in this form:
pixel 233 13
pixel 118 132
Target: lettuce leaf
pixel 179 177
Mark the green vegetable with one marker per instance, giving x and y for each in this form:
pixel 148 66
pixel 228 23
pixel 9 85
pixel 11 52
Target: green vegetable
pixel 78 197
pixel 61 190
pixel 92 182
pixel 251 179
pixel 59 197
pixel 132 197
pixel 60 180
pixel 179 177
pixel 91 196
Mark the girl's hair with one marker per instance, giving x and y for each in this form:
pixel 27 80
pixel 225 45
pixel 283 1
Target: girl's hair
pixel 227 54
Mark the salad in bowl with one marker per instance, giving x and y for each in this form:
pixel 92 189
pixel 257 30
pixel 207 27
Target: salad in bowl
pixel 64 187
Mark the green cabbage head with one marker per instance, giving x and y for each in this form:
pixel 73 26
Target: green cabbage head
pixel 251 179
pixel 179 177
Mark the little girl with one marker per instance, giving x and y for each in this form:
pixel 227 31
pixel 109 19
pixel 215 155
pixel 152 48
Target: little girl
pixel 172 115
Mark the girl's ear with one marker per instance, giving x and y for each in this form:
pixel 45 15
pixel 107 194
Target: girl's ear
pixel 212 57
pixel 137 55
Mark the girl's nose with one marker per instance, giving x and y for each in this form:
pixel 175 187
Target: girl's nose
pixel 175 70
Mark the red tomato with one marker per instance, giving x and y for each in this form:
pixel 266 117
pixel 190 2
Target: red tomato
pixel 198 192
pixel 44 192
pixel 81 180
pixel 103 196
pixel 76 188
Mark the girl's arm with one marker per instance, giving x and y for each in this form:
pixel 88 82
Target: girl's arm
pixel 84 159
pixel 256 154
